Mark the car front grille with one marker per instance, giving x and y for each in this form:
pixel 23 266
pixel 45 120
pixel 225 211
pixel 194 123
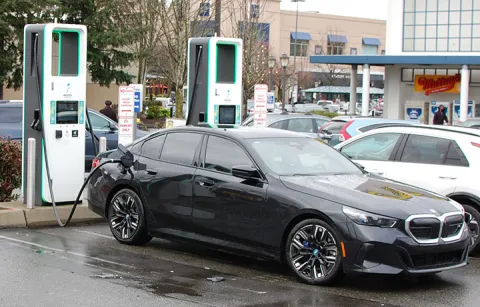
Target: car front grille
pixel 430 228
pixel 436 260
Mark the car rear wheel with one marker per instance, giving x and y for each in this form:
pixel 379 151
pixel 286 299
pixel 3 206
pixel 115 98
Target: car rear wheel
pixel 313 252
pixel 474 228
pixel 126 217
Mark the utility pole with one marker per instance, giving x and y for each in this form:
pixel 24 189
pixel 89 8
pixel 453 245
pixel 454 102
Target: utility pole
pixel 218 16
pixel 295 53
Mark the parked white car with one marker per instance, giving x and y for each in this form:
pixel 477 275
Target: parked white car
pixel 441 159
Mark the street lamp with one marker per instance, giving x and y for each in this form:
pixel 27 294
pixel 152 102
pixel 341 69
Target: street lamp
pixel 295 49
pixel 271 65
pixel 284 62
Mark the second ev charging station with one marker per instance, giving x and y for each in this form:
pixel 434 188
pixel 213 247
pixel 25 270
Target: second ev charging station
pixel 214 93
pixel 54 112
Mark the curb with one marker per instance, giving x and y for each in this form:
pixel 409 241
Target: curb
pixel 16 215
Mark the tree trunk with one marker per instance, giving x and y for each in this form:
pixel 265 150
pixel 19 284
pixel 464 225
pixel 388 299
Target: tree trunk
pixel 1 91
pixel 179 101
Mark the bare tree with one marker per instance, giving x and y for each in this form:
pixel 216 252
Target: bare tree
pixel 333 71
pixel 244 18
pixel 144 22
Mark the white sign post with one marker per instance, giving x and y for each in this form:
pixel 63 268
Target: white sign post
pixel 126 114
pixel 260 109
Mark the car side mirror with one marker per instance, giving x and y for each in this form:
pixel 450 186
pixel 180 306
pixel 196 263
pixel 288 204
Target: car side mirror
pixel 245 172
pixel 359 165
pixel 113 127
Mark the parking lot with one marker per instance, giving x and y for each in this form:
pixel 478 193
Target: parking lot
pixel 85 265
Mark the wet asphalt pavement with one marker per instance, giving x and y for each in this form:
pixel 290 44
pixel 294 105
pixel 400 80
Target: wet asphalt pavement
pixel 86 266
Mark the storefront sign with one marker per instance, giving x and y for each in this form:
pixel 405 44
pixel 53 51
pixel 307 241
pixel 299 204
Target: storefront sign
pixel 431 84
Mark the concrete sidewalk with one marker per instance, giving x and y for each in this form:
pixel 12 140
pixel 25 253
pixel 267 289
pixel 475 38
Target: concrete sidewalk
pixel 16 214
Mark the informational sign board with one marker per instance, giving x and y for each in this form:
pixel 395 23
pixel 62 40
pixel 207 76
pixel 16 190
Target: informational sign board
pixel 260 108
pixel 138 97
pixel 270 101
pixel 126 98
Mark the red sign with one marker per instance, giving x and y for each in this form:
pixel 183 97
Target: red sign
pixel 437 84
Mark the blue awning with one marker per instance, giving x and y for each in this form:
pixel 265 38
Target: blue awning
pixel 304 36
pixel 371 41
pixel 337 39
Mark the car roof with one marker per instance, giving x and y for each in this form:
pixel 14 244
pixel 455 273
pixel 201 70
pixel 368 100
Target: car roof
pixel 440 130
pixel 241 133
pixel 273 117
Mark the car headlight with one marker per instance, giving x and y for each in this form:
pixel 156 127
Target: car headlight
pixel 368 219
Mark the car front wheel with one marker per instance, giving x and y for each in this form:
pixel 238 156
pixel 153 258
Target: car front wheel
pixel 126 217
pixel 313 252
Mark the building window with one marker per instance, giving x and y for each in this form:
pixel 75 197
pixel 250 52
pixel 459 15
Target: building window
pixel 204 10
pixel 300 49
pixel 369 50
pixel 254 10
pixel 408 74
pixel 441 26
pixel 335 48
pixel 353 51
pixel 318 50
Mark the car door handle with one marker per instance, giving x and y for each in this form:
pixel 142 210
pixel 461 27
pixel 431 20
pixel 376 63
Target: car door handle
pixel 151 171
pixel 446 177
pixel 204 182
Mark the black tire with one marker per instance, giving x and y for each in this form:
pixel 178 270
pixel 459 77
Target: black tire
pixel 126 218
pixel 474 228
pixel 306 262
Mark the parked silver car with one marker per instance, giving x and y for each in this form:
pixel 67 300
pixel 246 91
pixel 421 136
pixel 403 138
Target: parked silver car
pixel 307 124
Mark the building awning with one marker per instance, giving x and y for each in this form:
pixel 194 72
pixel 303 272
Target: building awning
pixel 337 39
pixel 371 41
pixel 303 36
pixel 342 90
pixel 383 60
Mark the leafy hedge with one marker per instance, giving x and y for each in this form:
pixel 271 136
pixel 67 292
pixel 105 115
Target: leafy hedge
pixel 326 113
pixel 156 112
pixel 10 168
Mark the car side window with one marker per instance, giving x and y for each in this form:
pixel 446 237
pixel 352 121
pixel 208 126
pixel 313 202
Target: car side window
pixel 277 125
pixel 136 148
pixel 301 125
pixel 320 122
pixel 377 147
pixel 180 147
pixel 425 149
pixel 151 148
pixel 455 156
pixel 98 123
pixel 222 155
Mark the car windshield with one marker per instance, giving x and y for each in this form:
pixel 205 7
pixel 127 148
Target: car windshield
pixel 302 156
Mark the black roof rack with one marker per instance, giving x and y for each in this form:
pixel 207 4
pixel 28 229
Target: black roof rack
pixel 442 128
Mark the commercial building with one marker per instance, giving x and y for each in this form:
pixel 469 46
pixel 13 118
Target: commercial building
pixel 313 34
pixel 432 57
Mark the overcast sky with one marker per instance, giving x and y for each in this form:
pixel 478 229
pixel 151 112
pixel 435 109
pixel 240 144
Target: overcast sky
pixel 374 9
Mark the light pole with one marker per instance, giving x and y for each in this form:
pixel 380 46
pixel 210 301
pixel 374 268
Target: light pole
pixel 284 62
pixel 271 65
pixel 295 49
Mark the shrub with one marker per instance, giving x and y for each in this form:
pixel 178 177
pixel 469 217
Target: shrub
pixel 156 112
pixel 326 113
pixel 10 168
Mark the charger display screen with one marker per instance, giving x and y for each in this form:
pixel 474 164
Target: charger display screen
pixel 226 115
pixel 67 112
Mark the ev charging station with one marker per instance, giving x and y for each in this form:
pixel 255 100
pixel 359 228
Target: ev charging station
pixel 214 92
pixel 54 111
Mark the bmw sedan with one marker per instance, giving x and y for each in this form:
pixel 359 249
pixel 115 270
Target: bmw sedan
pixel 277 194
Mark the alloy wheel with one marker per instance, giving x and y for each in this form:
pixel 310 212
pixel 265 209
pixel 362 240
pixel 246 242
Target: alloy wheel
pixel 125 218
pixel 313 252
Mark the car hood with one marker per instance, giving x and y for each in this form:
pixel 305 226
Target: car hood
pixel 372 193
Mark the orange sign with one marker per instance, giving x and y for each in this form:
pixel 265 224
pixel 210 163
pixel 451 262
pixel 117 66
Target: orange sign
pixel 431 84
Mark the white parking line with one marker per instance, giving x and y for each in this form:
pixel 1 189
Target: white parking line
pixel 94 234
pixel 65 251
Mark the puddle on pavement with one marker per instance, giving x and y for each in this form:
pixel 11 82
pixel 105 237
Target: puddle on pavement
pixel 172 287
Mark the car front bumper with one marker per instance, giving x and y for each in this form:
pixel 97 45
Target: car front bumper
pixel 391 251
